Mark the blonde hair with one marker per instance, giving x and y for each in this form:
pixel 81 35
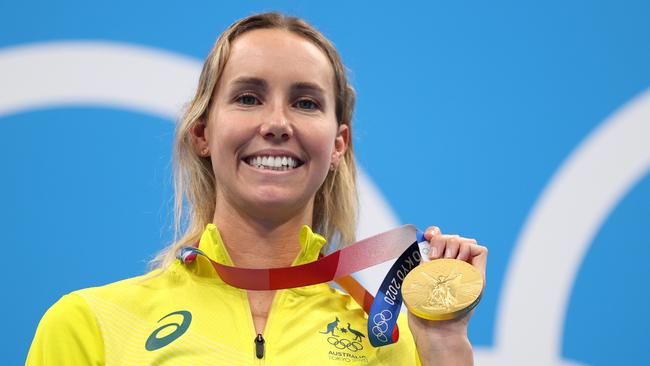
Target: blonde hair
pixel 335 204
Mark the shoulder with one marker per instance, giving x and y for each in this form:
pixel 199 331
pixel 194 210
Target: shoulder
pixel 133 298
pixel 127 287
pixel 67 333
pixel 72 330
pixel 69 308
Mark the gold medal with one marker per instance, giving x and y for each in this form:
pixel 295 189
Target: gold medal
pixel 442 289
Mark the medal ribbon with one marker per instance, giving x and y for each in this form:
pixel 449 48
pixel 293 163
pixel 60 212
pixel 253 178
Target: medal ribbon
pixel 382 310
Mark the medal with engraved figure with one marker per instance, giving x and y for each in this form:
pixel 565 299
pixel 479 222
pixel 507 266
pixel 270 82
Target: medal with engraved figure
pixel 442 289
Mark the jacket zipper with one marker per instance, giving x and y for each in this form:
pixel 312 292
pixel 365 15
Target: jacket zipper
pixel 259 341
pixel 259 346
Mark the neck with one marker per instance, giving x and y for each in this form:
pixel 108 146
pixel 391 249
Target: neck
pixel 254 242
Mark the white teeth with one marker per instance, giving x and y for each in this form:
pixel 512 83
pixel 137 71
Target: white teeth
pixel 273 162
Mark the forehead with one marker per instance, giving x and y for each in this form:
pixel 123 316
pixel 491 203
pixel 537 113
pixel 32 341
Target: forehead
pixel 278 56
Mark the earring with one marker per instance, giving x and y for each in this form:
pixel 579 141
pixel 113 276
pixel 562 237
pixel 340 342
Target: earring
pixel 332 167
pixel 205 151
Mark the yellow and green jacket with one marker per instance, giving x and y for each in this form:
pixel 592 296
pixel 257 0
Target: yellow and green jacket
pixel 186 315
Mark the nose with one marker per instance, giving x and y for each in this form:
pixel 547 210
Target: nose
pixel 276 127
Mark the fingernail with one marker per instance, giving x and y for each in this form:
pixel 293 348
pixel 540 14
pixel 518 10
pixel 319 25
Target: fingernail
pixel 447 253
pixel 433 252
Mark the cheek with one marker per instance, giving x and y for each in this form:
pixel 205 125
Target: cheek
pixel 321 143
pixel 330 131
pixel 227 136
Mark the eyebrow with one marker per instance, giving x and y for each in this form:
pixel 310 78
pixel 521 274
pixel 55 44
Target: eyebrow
pixel 307 87
pixel 257 83
pixel 251 82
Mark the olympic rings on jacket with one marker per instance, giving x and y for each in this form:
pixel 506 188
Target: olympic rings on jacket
pixel 342 343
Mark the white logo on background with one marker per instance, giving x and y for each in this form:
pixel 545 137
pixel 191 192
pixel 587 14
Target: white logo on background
pixel 558 233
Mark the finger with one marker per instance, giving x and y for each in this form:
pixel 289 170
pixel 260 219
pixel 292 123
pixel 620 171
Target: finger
pixel 465 251
pixel 478 257
pixel 437 245
pixel 452 245
pixel 431 231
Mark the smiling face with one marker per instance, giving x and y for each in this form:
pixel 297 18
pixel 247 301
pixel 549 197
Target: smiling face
pixel 272 132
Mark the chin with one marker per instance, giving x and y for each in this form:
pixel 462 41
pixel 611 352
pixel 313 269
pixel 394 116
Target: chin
pixel 276 201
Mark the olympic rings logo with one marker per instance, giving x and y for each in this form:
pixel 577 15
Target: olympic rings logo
pixel 342 343
pixel 381 324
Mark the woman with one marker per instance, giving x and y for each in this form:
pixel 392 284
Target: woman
pixel 262 154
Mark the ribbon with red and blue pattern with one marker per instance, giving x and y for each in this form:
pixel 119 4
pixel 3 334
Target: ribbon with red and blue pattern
pixel 403 242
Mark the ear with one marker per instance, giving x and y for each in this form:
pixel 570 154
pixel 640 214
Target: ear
pixel 341 143
pixel 200 139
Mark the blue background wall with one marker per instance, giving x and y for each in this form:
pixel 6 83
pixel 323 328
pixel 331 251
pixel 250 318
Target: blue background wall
pixel 465 111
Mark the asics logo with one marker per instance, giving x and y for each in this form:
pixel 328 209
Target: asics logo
pixel 153 342
pixel 380 326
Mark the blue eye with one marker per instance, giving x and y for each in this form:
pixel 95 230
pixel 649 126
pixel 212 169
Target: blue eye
pixel 306 104
pixel 248 99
